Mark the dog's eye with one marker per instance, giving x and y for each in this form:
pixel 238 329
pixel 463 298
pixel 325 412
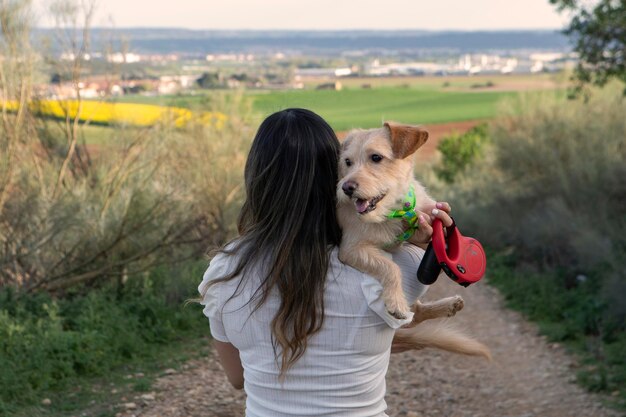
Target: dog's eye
pixel 377 158
pixel 348 162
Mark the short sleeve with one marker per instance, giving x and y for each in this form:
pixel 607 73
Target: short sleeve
pixel 211 297
pixel 408 258
pixel 373 292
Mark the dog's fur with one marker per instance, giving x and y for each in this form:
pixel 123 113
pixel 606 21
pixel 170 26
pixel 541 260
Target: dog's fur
pixel 376 171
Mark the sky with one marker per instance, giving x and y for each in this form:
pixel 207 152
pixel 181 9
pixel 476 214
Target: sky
pixel 325 14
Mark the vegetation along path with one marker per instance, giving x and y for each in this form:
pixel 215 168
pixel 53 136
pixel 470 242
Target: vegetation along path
pixel 529 376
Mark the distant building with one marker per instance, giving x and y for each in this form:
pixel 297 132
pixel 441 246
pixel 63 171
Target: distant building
pixel 123 58
pixel 323 72
pixel 89 88
pixel 233 83
pixel 487 64
pixel 549 61
pixel 230 57
pixel 70 56
pixel 404 68
pixel 172 84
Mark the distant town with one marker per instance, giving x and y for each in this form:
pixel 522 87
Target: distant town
pixel 273 62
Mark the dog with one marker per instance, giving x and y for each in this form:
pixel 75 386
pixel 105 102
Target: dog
pixel 376 180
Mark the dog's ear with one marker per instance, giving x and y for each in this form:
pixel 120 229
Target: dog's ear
pixel 346 141
pixel 405 139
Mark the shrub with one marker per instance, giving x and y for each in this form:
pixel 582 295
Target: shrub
pixel 154 196
pixel 45 343
pixel 549 192
pixel 459 150
pixel 551 183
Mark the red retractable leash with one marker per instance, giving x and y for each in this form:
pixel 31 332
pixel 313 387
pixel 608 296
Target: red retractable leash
pixel 461 258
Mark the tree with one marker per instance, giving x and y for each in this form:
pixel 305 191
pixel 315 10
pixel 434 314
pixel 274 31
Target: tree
pixel 209 80
pixel 599 33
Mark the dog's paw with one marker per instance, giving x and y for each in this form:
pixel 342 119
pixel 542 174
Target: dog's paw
pixel 397 307
pixel 398 314
pixel 456 305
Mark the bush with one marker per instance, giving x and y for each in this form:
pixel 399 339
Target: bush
pixel 154 196
pixel 459 150
pixel 548 190
pixel 551 184
pixel 46 343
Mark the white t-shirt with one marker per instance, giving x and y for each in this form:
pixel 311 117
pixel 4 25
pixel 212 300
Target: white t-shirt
pixel 342 372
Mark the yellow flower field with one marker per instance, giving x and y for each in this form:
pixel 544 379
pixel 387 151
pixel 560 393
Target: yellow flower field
pixel 120 113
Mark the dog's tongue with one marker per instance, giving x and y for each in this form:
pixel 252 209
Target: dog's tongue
pixel 361 205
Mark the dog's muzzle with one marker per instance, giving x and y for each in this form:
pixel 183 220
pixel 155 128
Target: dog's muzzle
pixel 349 187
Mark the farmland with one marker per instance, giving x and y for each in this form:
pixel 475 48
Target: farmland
pixel 365 102
pixel 348 109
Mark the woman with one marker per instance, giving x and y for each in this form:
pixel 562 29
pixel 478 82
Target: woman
pixel 304 334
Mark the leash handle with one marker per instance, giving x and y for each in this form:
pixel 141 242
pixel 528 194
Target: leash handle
pixel 429 268
pixel 462 258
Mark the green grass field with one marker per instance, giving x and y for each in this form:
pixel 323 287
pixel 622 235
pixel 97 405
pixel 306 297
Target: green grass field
pixel 501 82
pixel 367 108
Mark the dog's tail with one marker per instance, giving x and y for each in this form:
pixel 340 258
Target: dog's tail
pixel 438 335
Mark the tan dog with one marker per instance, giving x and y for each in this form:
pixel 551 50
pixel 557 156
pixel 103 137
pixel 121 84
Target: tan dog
pixel 376 172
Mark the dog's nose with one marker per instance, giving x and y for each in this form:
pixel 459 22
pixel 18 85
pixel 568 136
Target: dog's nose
pixel 348 187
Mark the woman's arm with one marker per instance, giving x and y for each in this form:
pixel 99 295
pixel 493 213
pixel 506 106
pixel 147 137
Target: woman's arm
pixel 229 357
pixel 408 259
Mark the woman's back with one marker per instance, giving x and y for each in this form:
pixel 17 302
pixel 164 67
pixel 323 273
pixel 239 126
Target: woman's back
pixel 304 334
pixel 342 371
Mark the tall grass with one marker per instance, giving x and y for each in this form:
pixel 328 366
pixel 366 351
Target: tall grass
pixel 94 275
pixel 155 195
pixel 73 215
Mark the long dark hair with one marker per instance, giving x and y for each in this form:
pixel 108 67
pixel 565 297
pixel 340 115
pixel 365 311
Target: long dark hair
pixel 288 223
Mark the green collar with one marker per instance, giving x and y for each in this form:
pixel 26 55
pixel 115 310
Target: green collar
pixel 407 212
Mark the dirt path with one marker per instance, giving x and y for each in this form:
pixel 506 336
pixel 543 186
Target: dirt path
pixel 529 377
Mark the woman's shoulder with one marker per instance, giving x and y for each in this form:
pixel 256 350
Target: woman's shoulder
pixel 223 263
